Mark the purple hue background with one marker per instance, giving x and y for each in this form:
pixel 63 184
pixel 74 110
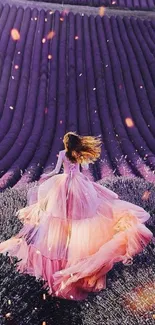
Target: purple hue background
pixel 95 73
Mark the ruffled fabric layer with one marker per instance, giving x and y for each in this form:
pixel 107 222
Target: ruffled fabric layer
pixel 89 274
pixel 73 243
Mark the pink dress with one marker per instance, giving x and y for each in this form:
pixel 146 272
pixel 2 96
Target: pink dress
pixel 74 231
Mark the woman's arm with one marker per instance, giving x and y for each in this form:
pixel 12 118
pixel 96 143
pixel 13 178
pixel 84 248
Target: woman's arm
pixel 57 167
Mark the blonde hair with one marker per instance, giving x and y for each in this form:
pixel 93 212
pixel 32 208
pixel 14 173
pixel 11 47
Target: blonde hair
pixel 82 149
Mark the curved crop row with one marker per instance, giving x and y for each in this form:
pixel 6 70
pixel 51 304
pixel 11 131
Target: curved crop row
pixel 130 4
pixel 59 73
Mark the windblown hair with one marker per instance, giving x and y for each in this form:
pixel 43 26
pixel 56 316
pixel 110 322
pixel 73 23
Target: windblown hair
pixel 82 149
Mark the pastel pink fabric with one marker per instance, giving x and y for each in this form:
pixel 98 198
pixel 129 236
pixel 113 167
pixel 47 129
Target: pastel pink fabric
pixel 74 230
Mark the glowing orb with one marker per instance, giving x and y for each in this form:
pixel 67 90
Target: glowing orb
pixel 129 122
pixel 101 11
pixel 146 195
pixel 51 34
pixel 15 34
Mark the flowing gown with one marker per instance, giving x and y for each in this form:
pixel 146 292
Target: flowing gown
pixel 74 230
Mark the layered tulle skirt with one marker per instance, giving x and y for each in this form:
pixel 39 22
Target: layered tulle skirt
pixel 74 230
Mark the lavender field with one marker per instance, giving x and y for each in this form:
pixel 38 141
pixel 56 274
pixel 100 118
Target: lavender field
pixel 93 75
pixel 62 72
pixel 128 299
pixel 130 4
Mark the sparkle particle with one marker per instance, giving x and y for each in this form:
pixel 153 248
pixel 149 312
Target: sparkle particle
pixel 15 34
pixel 51 34
pixel 129 122
pixel 101 11
pixel 8 315
pixel 146 195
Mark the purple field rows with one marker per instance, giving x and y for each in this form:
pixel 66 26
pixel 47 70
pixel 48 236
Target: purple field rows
pixel 93 75
pixel 130 4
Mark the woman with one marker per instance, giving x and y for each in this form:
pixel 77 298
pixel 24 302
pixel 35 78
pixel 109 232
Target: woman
pixel 75 229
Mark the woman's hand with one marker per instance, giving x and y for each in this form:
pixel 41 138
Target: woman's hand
pixel 45 176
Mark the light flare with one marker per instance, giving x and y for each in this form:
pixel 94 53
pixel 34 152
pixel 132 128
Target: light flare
pixel 129 122
pixel 50 35
pixel 15 34
pixel 102 11
pixel 8 315
pixel 146 195
pixel 141 298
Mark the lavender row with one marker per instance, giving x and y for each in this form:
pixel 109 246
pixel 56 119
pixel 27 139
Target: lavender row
pixel 59 73
pixel 130 4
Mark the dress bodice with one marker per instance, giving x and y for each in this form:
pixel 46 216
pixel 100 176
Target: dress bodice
pixel 70 167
